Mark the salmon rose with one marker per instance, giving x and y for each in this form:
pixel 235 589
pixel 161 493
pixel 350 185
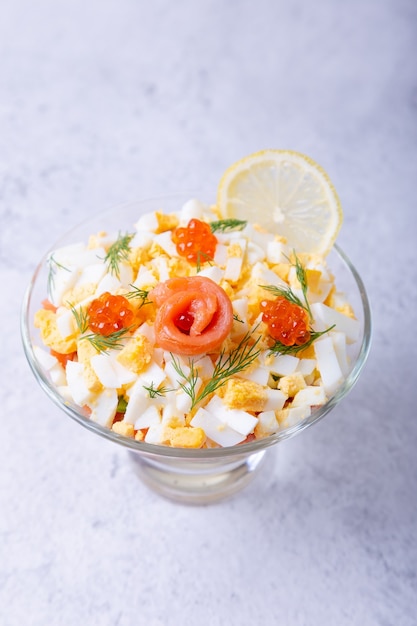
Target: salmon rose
pixel 194 316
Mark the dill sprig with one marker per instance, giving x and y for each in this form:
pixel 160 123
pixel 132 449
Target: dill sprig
pixel 100 342
pixel 288 293
pixel 302 279
pixel 203 257
pixel 156 391
pixel 189 386
pixel 228 365
pixel 227 225
pixel 53 266
pixel 237 318
pixel 118 252
pixel 107 342
pixel 81 318
pixel 285 292
pixel 138 293
pixel 280 348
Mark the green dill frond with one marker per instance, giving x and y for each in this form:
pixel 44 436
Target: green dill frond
pixel 203 257
pixel 227 225
pixel 154 392
pixel 53 266
pixel 280 348
pixel 190 381
pixel 285 292
pixel 142 294
pixel 107 342
pixel 228 365
pixel 235 361
pixel 118 252
pixel 302 279
pixel 81 318
pixel 100 342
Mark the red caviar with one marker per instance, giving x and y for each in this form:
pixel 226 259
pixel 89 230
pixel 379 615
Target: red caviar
pixel 195 241
pixel 108 314
pixel 287 322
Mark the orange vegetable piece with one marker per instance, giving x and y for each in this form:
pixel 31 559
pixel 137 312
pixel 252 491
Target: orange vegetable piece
pixel 63 358
pixel 48 306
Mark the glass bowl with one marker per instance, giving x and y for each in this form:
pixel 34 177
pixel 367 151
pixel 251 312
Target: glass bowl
pixel 190 475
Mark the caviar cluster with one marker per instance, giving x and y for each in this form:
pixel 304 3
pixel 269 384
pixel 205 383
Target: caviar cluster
pixel 287 322
pixel 108 314
pixel 195 242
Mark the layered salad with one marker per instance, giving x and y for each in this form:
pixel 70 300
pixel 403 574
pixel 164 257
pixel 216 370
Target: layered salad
pixel 193 329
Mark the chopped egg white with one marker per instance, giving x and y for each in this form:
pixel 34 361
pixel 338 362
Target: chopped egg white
pixel 328 364
pixel 193 209
pixel 241 421
pixel 297 414
pixel 282 364
pixel 216 429
pixel 310 395
pixel 276 252
pixel 325 317
pixel 214 272
pixel 57 375
pixel 267 423
pixel 110 372
pixel 109 283
pixel 275 399
pixel 164 240
pixel 103 407
pixel 147 418
pixel 44 358
pixel 77 384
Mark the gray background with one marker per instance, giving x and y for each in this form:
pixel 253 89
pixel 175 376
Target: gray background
pixel 107 101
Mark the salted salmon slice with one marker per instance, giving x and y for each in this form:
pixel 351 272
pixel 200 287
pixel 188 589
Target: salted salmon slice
pixel 194 316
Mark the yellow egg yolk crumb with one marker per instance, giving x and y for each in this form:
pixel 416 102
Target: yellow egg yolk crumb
pixel 244 394
pixel 45 320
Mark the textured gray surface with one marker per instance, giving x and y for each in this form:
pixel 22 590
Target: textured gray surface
pixel 102 102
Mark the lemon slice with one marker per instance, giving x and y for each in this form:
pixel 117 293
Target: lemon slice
pixel 287 193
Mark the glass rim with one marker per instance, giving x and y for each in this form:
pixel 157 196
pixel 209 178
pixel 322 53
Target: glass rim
pixel 155 450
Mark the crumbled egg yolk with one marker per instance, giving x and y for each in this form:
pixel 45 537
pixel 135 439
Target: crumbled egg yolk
pixel 156 252
pixel 292 383
pixel 166 221
pixel 138 257
pixel 79 293
pixel 313 279
pixel 282 270
pixel 45 320
pixel 244 394
pixel 85 351
pixel 234 250
pixel 178 266
pixel 184 437
pixel 346 309
pixel 123 428
pixel 136 354
pixel 282 415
